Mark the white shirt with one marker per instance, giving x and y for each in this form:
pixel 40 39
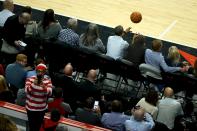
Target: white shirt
pixel 169 108
pixel 4 14
pixel 116 47
pixel 153 110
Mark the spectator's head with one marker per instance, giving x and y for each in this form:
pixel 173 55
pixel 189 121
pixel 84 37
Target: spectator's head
pixel 119 30
pixel 3 85
pixel 72 23
pixel 21 59
pixel 168 92
pixel 9 5
pixel 139 40
pixel 116 106
pixel 91 75
pixel 91 34
pixel 157 45
pixel 68 70
pixel 173 54
pixel 139 114
pixel 55 115
pixel 58 92
pixel 6 124
pixel 89 103
pixel 48 18
pixel 152 98
pixel 24 18
pixel 195 68
pixel 27 9
pixel 38 61
pixel 41 70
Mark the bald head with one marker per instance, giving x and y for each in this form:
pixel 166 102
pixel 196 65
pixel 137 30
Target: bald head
pixel 8 4
pixel 68 69
pixel 91 75
pixel 139 114
pixel 168 92
pixel 72 23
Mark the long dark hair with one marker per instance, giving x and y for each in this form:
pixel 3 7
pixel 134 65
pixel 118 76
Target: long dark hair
pixel 91 34
pixel 152 98
pixel 48 18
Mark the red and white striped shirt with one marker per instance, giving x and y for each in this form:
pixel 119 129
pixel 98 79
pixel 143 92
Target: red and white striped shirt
pixel 37 95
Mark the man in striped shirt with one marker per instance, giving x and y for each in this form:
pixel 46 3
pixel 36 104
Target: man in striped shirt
pixel 37 89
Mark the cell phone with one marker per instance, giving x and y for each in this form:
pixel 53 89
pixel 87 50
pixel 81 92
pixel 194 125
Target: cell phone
pixel 96 104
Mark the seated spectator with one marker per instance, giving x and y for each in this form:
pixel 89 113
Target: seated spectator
pixel 13 34
pixel 88 87
pixel 49 27
pixel 173 58
pixel 69 34
pixel 116 119
pixel 168 108
pixel 90 39
pixel 140 121
pixel 149 103
pixel 87 114
pixel 57 103
pixel 51 124
pixel 69 86
pixel 8 7
pixel 155 58
pixel 5 93
pixel 16 74
pixel 136 50
pixel 7 124
pixel 116 46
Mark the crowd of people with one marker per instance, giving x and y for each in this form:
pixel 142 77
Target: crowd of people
pixel 34 88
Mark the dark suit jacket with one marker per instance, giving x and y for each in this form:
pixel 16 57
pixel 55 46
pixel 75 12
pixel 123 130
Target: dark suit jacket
pixel 70 88
pixel 88 89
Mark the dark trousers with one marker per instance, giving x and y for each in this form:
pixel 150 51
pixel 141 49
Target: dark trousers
pixel 35 119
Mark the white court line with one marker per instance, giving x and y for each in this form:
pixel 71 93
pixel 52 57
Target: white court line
pixel 167 29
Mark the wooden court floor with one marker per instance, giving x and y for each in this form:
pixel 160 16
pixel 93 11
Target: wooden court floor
pixel 171 20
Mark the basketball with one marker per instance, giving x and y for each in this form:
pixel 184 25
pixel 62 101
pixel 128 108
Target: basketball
pixel 136 17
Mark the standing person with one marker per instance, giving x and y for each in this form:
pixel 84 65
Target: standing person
pixel 116 45
pixel 37 88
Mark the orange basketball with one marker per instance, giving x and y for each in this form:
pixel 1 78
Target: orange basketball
pixel 136 17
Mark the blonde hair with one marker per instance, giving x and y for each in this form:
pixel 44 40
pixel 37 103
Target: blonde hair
pixel 3 85
pixel 21 57
pixel 173 54
pixel 7 124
